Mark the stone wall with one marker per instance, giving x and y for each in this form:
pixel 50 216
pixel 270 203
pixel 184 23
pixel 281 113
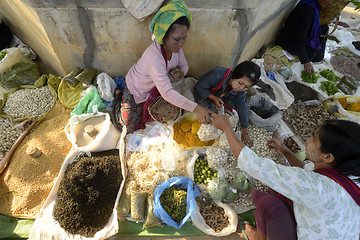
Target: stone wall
pixel 105 36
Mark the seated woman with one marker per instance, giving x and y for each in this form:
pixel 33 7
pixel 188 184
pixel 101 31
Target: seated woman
pixel 324 203
pixel 302 34
pixel 223 86
pixel 148 78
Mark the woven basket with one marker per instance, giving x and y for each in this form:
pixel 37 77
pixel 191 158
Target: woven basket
pixel 162 111
pixel 272 62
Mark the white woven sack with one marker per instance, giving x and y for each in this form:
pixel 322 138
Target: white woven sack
pixel 200 223
pixel 141 9
pixel 106 139
pixel 46 227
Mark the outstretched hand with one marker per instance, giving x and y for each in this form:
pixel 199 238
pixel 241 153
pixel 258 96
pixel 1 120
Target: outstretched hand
pixel 277 145
pixel 203 114
pixel 308 67
pixel 220 121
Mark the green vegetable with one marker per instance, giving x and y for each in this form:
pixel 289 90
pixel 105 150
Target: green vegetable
pixel 309 77
pixel 2 54
pixel 202 172
pixel 173 200
pixel 329 75
pixel 329 87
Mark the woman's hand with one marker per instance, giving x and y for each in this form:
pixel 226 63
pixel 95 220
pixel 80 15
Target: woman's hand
pixel 217 101
pixel 277 145
pixel 246 139
pixel 176 73
pixel 203 114
pixel 308 67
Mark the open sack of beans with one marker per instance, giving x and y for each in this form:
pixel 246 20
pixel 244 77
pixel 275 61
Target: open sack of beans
pixel 34 166
pixel 30 101
pixel 174 201
pixel 214 217
pixel 83 201
pixel 92 132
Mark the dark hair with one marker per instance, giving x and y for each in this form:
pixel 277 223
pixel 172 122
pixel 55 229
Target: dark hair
pixel 247 69
pixel 181 21
pixel 341 138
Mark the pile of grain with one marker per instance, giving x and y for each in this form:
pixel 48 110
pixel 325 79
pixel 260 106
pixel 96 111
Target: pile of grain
pixel 26 182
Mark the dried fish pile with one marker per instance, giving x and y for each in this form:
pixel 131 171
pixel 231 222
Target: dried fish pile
pixel 29 102
pixel 213 215
pixel 304 120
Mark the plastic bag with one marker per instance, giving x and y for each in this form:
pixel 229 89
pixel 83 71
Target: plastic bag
pixel 190 166
pixel 24 72
pixel 199 222
pixel 208 132
pixel 86 76
pixel 263 113
pixel 348 106
pixel 192 192
pixel 216 157
pixel 70 77
pixel 106 138
pixel 13 55
pixel 69 97
pixel 151 219
pixel 137 205
pixel 106 86
pixel 243 182
pixel 90 103
pixel 219 189
pixel 124 205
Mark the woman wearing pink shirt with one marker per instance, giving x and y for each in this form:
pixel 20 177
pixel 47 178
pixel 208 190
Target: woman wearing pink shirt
pixel 149 77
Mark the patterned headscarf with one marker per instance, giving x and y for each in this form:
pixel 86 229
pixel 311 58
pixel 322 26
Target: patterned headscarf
pixel 166 16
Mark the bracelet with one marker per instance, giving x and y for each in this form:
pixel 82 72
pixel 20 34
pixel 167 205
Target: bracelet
pixel 245 133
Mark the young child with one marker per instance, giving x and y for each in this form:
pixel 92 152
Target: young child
pixel 224 86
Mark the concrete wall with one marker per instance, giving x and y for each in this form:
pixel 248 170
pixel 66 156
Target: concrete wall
pixel 71 33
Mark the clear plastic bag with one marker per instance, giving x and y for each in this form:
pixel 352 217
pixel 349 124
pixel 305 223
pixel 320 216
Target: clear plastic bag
pixel 138 205
pixel 23 72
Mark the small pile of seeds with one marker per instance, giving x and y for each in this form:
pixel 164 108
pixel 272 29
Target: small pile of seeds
pixel 213 215
pixel 304 120
pixel 9 133
pixel 29 102
pixel 87 193
pixel 259 136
